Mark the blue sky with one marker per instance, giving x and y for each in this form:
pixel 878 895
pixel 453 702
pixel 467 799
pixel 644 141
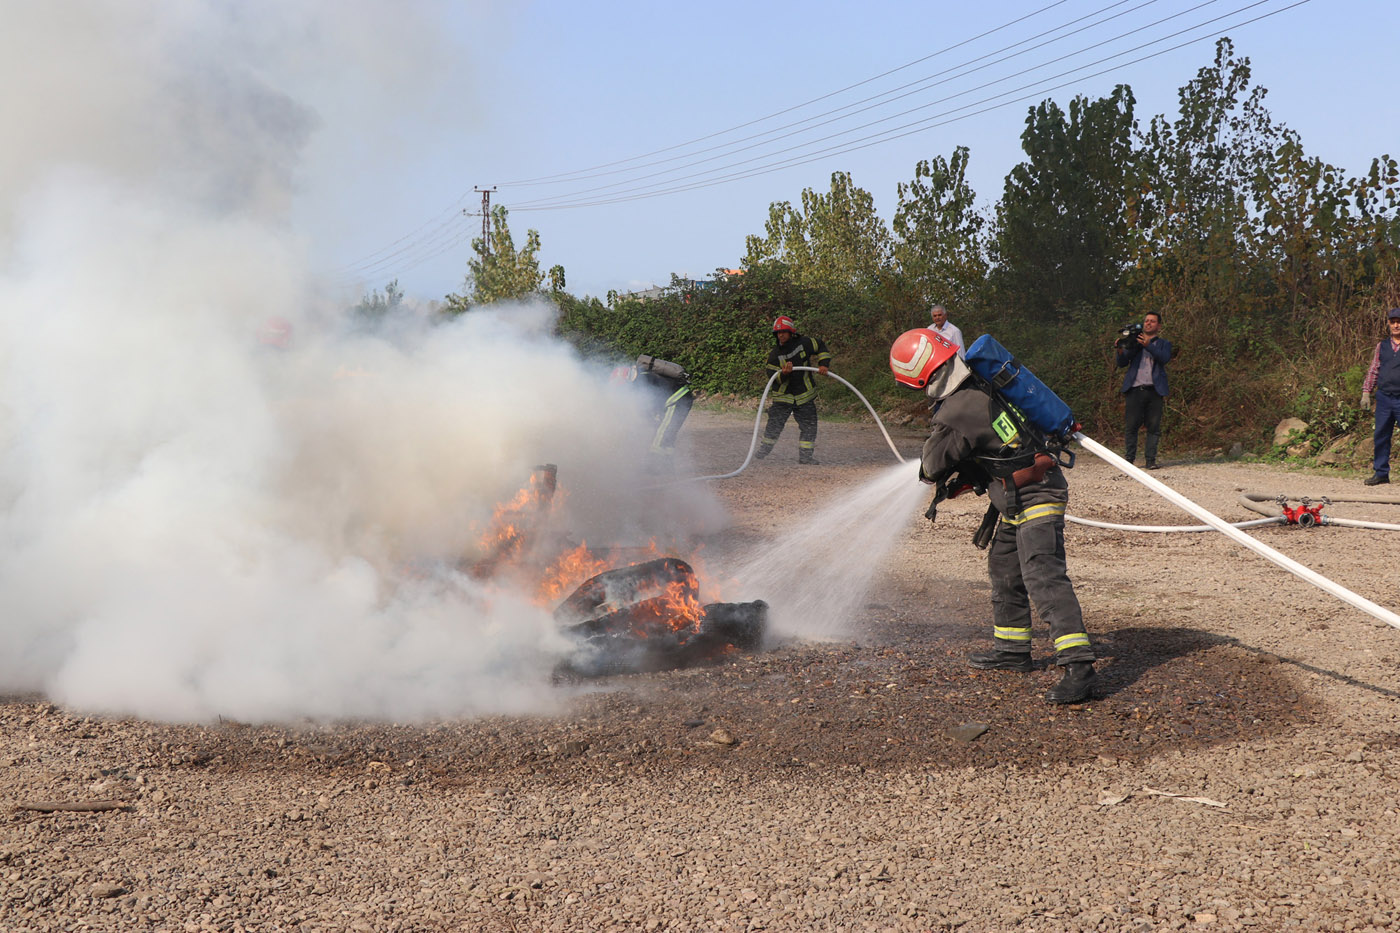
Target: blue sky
pixel 484 95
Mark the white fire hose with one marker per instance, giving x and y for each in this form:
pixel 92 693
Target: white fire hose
pixel 1212 522
pixel 1225 528
pixel 758 421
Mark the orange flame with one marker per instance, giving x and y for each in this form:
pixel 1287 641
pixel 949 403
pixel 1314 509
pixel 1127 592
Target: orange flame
pixel 567 572
pixel 509 542
pixel 513 524
pixel 678 607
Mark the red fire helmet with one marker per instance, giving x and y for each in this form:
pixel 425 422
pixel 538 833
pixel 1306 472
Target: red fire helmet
pixel 784 323
pixel 276 332
pixel 916 353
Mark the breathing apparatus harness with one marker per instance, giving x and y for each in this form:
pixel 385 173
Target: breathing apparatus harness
pixel 1026 455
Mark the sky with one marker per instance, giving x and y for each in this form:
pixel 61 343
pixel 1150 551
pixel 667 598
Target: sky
pixel 493 95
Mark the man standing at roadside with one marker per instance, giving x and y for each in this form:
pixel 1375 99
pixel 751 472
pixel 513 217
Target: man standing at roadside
pixel 947 330
pixel 1383 378
pixel 1146 356
pixel 794 392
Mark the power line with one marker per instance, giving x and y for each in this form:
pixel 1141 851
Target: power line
pixel 884 97
pixel 891 135
pixel 417 238
pixel 1035 87
pixel 786 110
pixel 924 106
pixel 415 248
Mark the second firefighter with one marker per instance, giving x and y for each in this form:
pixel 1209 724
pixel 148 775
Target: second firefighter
pixel 795 391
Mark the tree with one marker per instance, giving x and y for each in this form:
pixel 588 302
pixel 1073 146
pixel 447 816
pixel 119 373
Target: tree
pixel 1202 177
pixel 836 239
pixel 1063 235
pixel 501 273
pixel 940 248
pixel 375 306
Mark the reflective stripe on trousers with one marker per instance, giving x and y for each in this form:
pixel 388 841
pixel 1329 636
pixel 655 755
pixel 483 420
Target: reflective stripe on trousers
pixel 1026 563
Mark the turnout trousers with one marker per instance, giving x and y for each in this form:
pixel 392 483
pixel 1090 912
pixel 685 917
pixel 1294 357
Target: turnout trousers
pixel 1026 563
pixel 806 415
pixel 677 408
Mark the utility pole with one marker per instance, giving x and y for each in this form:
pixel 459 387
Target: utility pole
pixel 486 216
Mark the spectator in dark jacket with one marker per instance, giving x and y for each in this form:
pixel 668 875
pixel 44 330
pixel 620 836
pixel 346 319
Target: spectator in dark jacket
pixel 1146 356
pixel 1383 378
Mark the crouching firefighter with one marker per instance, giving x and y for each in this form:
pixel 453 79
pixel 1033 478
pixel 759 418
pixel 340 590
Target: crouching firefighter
pixel 669 396
pixel 981 442
pixel 671 399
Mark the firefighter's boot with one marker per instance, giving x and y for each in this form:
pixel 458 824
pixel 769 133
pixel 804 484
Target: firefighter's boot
pixel 1076 686
pixel 999 659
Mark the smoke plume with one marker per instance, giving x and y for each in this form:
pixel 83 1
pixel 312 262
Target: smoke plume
pixel 197 520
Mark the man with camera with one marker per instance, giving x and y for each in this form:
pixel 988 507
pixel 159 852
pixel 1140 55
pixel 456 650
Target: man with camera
pixel 1146 355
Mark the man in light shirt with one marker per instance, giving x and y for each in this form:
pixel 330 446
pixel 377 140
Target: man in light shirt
pixel 940 323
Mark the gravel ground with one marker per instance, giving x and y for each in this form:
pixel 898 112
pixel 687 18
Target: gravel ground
pixel 1237 772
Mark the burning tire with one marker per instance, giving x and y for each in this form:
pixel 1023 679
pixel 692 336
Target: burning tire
pixel 649 617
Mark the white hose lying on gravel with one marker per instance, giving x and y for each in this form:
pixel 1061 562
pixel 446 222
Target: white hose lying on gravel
pixel 758 421
pixel 1212 521
pixel 1112 526
pixel 1225 528
pixel 1251 523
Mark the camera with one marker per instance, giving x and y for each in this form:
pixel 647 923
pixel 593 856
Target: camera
pixel 1129 333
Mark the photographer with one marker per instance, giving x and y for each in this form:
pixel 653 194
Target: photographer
pixel 1146 355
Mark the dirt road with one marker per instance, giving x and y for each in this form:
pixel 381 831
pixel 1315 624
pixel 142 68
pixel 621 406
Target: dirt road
pixel 1238 772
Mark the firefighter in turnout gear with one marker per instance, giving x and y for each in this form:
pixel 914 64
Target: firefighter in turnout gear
pixel 795 392
pixel 980 442
pixel 670 389
pixel 667 387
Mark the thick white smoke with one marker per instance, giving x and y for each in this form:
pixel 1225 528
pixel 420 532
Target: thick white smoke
pixel 194 522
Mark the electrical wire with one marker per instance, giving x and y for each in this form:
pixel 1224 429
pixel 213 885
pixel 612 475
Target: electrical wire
pixel 883 98
pixel 396 248
pixel 1035 89
pixel 413 255
pixel 426 245
pixel 795 107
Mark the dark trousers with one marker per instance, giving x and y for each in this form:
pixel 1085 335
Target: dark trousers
pixel 1142 405
pixel 1026 563
pixel 677 408
pixel 1387 413
pixel 806 415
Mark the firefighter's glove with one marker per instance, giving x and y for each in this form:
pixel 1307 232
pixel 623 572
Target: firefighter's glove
pixel 1365 401
pixel 988 529
pixel 932 513
pixel 1034 473
pixel 964 481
